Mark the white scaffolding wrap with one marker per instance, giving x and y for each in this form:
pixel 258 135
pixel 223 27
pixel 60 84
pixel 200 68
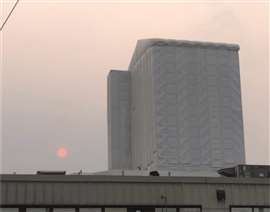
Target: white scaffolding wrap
pixel 185 111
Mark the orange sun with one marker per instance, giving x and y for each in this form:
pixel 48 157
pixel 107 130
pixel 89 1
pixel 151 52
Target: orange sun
pixel 61 152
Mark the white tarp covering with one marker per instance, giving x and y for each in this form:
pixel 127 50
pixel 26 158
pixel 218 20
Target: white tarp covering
pixel 185 106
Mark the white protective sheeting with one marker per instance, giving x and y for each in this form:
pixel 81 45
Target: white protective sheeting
pixel 185 111
pixel 186 106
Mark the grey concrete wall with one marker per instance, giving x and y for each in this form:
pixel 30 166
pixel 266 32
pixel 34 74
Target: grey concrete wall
pixel 186 106
pixel 119 151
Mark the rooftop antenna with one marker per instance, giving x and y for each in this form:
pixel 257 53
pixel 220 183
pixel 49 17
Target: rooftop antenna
pixel 4 23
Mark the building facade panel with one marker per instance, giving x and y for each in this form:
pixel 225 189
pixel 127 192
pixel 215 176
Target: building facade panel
pixel 142 132
pixel 119 150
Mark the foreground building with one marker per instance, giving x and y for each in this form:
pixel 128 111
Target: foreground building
pixel 178 107
pixel 79 193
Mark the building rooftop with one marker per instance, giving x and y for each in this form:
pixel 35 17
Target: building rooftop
pixel 144 44
pixel 129 179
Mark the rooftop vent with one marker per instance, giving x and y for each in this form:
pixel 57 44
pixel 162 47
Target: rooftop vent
pixel 154 173
pixel 251 171
pixel 51 172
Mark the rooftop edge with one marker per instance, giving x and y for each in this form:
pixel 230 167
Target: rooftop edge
pixel 143 44
pixel 128 179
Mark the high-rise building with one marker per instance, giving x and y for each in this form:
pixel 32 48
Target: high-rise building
pixel 119 120
pixel 178 107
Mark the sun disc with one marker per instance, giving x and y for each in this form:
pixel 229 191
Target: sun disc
pixel 61 152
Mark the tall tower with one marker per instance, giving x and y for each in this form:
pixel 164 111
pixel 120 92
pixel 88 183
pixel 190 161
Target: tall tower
pixel 185 111
pixel 119 150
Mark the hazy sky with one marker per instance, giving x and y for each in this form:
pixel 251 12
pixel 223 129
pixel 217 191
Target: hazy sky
pixel 55 57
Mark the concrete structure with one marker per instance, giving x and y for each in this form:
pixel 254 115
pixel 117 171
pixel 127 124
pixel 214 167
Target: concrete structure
pixel 184 108
pixel 119 120
pixel 125 194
